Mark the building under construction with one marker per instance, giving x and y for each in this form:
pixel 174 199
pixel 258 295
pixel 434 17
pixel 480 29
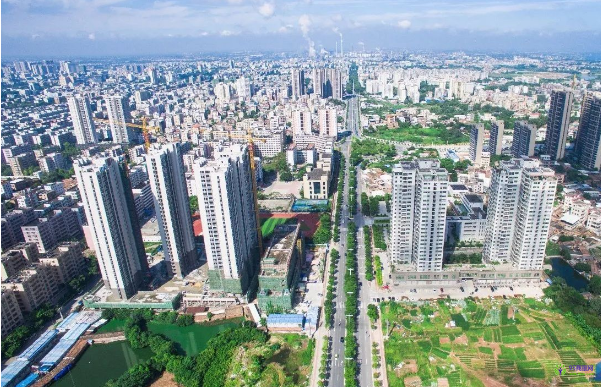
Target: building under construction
pixel 280 269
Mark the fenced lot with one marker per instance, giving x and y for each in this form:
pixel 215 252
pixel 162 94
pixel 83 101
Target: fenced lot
pixel 512 342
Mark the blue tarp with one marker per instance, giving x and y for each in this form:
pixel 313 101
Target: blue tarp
pixel 34 349
pixel 28 380
pixel 63 346
pixel 13 371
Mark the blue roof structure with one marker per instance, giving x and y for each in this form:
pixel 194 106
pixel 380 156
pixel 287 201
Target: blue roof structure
pixel 285 320
pixel 38 346
pixel 63 346
pixel 28 381
pixel 13 371
pixel 67 323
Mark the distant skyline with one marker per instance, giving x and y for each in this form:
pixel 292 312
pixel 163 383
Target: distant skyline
pixel 56 28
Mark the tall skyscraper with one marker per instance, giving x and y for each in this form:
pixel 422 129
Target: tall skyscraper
pixel 172 206
pixel 298 83
pixel 328 122
pixel 519 213
pixel 419 203
pixel 83 124
pixel 333 84
pixel 558 122
pixel 301 122
pixel 588 140
pixel 111 214
pixel 243 88
pixel 227 213
pixel 495 143
pixel 502 207
pixel 318 77
pixel 118 112
pixel 524 139
pixel 476 143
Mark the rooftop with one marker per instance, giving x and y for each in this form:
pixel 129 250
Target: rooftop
pixel 316 174
pixel 276 260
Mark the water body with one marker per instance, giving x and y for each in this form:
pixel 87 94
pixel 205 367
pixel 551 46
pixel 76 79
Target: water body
pixel 102 362
pixel 192 339
pixel 563 269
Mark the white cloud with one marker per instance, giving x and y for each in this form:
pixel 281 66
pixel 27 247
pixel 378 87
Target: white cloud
pixel 267 9
pixel 228 33
pixel 404 24
pixel 305 24
pixel 92 36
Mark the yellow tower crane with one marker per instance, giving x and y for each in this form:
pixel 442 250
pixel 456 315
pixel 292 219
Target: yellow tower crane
pixel 145 129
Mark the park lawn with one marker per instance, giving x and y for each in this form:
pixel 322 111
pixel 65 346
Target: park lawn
pixel 419 135
pixel 267 225
pixel 421 333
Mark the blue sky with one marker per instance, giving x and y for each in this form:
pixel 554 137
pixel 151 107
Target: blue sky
pixel 98 27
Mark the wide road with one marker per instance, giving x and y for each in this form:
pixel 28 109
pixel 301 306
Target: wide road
pixel 363 324
pixel 338 330
pixel 353 120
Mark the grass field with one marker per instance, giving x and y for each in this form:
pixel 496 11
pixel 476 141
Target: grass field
pixel 286 359
pixel 519 342
pixel 267 225
pixel 419 135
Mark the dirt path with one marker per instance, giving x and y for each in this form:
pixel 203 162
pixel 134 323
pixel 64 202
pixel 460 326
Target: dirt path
pixel 166 380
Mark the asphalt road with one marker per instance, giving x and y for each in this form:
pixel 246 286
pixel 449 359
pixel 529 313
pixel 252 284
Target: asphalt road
pixel 363 324
pixel 338 330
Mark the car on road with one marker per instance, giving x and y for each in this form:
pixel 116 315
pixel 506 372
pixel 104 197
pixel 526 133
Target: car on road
pixel 462 289
pixel 342 339
pixel 511 288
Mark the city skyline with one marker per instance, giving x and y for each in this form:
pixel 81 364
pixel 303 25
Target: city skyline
pixel 97 28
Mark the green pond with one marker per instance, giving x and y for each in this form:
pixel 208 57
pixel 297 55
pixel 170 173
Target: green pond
pixel 102 362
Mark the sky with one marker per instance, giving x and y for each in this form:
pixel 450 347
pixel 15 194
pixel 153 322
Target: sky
pixel 58 28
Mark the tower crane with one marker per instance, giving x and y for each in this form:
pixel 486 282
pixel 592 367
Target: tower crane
pixel 145 129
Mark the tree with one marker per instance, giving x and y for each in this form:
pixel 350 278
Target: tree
pixel 583 266
pixel 193 204
pixel 372 312
pixel 594 286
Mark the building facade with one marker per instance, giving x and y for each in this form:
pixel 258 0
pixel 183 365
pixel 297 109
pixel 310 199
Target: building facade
pixel 81 116
pixel 588 140
pixel 328 122
pixel 476 143
pixel 111 214
pixel 419 198
pixel 118 112
pixel 226 206
pixel 172 207
pixel 519 213
pixel 495 143
pixel 558 121
pixel 524 139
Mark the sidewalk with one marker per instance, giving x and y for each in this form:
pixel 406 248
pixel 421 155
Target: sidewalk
pixel 321 329
pixel 378 337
